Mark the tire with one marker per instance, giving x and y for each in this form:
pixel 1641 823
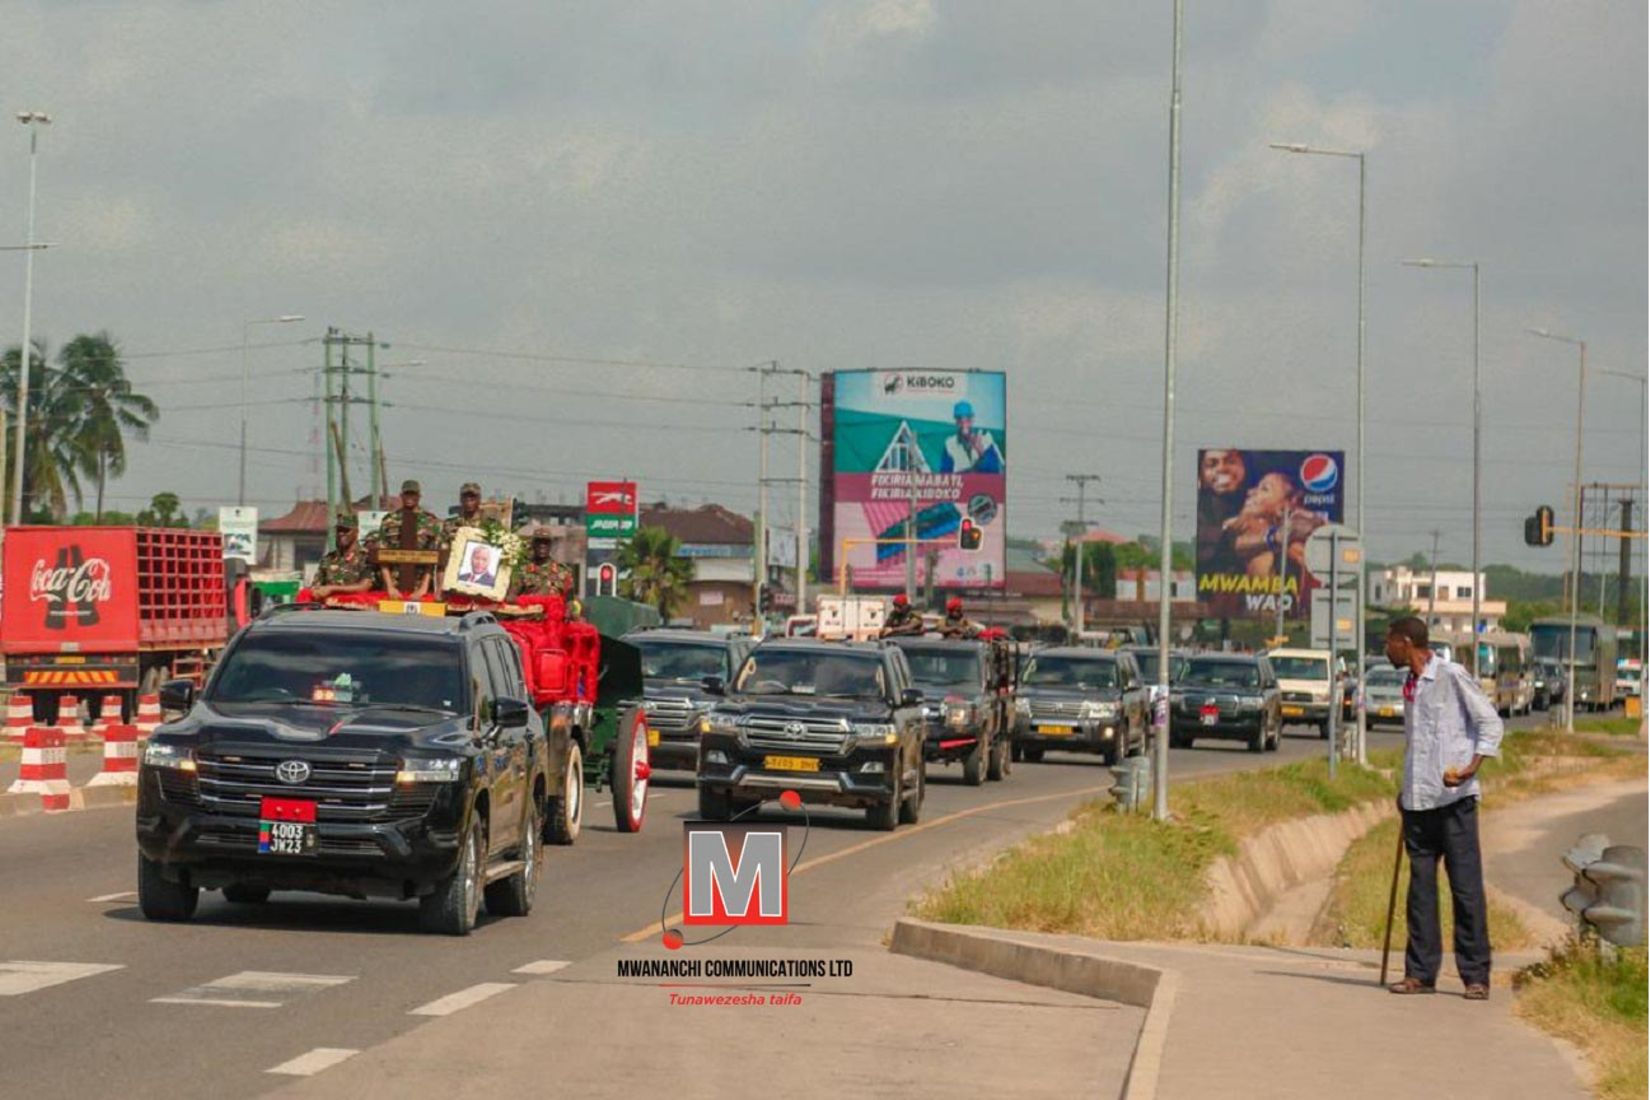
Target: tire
pixel 513 896
pixel 631 772
pixel 242 894
pixel 714 805
pixel 564 813
pixel 1032 756
pixel 1277 738
pixel 974 764
pixel 1257 740
pixel 997 769
pixel 885 816
pixel 160 899
pixel 451 910
pixel 1323 731
pixel 910 811
pixel 1016 753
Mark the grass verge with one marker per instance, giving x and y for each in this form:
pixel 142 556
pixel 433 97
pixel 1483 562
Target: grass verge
pixel 1597 1003
pixel 1614 727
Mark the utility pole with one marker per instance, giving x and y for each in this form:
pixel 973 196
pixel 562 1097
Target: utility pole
pixel 802 493
pixel 1283 569
pixel 1082 481
pixel 375 446
pixel 765 427
pixel 339 396
pixel 1625 567
pixel 1432 589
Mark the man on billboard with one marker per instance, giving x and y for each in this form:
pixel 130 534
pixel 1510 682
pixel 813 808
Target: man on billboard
pixel 969 451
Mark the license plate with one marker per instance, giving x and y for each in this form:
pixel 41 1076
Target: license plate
pixel 652 738
pixel 790 763
pixel 1293 712
pixel 287 838
pixel 1388 712
pixel 1208 719
pixel 1057 731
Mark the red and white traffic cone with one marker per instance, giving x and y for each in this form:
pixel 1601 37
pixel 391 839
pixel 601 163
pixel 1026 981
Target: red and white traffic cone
pixel 148 717
pixel 45 768
pixel 68 719
pixel 120 757
pixel 19 717
pixel 108 715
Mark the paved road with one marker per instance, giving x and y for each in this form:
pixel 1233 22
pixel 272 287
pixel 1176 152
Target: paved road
pixel 180 1010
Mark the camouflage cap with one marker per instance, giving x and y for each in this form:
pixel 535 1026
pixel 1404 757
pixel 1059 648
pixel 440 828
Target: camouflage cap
pixel 538 532
pixel 346 519
pixel 412 486
pixel 469 487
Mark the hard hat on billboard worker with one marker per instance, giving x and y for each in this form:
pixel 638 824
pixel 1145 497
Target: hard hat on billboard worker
pixel 968 451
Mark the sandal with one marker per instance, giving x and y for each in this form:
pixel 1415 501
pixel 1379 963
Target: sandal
pixel 1411 986
pixel 1477 992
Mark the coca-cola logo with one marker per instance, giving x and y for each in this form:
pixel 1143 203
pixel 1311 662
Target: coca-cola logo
pixel 72 587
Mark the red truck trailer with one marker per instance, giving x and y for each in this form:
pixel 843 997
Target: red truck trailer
pixel 95 611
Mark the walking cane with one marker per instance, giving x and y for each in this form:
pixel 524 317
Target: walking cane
pixel 1392 902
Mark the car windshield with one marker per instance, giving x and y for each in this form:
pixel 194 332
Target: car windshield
pixel 943 667
pixel 1300 668
pixel 342 670
pixel 684 661
pixel 1553 640
pixel 1386 677
pixel 812 672
pixel 1221 673
pixel 1148 664
pixel 1075 672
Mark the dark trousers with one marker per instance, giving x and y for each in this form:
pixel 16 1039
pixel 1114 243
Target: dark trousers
pixel 1450 832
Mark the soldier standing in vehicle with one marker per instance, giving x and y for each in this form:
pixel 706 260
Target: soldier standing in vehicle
pixel 542 575
pixel 409 527
pixel 344 569
pixel 903 619
pixel 469 513
pixel 955 624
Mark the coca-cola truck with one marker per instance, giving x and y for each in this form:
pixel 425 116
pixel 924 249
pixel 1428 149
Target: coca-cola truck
pixel 96 611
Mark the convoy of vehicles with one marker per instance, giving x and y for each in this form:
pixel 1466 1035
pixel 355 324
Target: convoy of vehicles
pixel 1547 682
pixel 1229 696
pixel 1308 695
pixel 968 711
pixel 1082 700
pixel 1595 656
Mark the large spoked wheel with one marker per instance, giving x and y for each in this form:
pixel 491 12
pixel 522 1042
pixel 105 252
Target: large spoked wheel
pixel 565 815
pixel 631 772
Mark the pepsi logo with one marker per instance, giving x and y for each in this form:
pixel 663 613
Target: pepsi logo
pixel 1319 473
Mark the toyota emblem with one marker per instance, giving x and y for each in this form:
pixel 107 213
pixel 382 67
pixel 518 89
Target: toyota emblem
pixel 796 730
pixel 292 772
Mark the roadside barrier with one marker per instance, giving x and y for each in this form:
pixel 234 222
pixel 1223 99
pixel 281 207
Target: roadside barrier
pixel 108 714
pixel 19 716
pixel 148 716
pixel 120 757
pixel 68 719
pixel 45 768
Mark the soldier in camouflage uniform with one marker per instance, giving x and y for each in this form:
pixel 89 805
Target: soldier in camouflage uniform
pixel 409 527
pixel 904 620
pixel 542 575
pixel 344 569
pixel 469 514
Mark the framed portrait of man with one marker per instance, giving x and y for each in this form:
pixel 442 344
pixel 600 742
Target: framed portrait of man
pixel 476 567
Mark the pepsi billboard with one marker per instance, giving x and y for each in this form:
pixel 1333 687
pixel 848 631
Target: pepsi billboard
pixel 1255 511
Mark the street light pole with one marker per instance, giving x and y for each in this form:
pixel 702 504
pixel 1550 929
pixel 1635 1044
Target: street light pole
pixel 1575 531
pixel 246 337
pixel 1358 499
pixel 25 360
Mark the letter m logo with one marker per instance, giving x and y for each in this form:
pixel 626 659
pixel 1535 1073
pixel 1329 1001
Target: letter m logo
pixel 735 874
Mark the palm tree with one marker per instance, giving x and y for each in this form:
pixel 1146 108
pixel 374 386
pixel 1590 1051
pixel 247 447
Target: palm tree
pixel 56 452
pixel 655 572
pixel 110 408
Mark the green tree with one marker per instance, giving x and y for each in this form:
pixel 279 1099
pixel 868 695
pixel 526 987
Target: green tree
pixel 1521 613
pixel 109 408
pixel 56 443
pixel 654 572
pixel 164 510
pixel 1099 568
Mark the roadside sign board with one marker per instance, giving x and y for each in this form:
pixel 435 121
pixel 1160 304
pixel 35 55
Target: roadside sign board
pixel 1346 609
pixel 239 528
pixel 1328 541
pixel 610 509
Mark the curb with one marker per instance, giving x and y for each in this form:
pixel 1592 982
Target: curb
pixel 999 953
pixel 90 798
pixel 19 805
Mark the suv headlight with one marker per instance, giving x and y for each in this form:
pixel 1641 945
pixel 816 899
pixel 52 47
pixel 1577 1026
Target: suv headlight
pixel 179 757
pixel 871 734
pixel 442 769
pixel 959 714
pixel 1250 702
pixel 725 724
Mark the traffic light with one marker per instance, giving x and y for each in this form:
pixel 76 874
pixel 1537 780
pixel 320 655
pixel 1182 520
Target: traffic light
pixel 1608 895
pixel 607 579
pixel 1538 529
pixel 969 535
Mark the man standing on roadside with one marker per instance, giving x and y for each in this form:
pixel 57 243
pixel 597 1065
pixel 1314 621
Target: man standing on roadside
pixel 1449 729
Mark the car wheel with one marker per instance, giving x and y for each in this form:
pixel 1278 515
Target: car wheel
pixel 1276 741
pixel 885 815
pixel 513 896
pixel 1257 739
pixel 1323 731
pixel 1016 753
pixel 714 805
pixel 564 817
pixel 161 899
pixel 451 910
pixel 631 773
pixel 910 811
pixel 998 769
pixel 974 764
pixel 1032 756
pixel 242 894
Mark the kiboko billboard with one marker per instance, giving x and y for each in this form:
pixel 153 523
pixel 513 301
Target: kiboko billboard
pixel 925 444
pixel 1254 507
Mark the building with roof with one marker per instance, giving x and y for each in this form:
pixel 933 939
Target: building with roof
pixel 721 544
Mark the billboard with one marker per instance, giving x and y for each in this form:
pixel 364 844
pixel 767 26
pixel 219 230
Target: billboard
pixel 610 509
pixel 239 528
pixel 1252 508
pixel 922 443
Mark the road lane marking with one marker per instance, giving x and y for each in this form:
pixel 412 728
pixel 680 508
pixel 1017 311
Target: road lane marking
pixel 464 998
pixel 307 1065
pixel 125 895
pixel 542 966
pixel 19 976
pixel 253 989
pixel 654 929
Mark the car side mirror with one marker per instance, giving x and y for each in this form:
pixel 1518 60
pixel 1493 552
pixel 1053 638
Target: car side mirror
pixel 910 697
pixel 714 685
pixel 178 695
pixel 510 713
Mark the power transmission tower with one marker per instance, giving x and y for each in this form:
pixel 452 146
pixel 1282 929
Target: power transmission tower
pixel 338 374
pixel 765 427
pixel 1082 482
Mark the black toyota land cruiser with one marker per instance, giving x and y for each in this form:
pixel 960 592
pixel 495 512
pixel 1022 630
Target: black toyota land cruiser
pixel 675 664
pixel 354 753
pixel 968 702
pixel 839 723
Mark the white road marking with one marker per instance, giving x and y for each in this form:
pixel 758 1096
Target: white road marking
pixel 464 998
pixel 597 806
pixel 267 989
pixel 127 895
pixel 307 1065
pixel 19 976
pixel 542 966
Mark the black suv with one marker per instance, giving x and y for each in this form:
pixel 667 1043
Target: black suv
pixel 353 753
pixel 1229 696
pixel 968 702
pixel 675 664
pixel 840 723
pixel 1081 700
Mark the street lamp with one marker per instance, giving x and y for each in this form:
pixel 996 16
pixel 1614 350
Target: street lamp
pixel 246 338
pixel 1477 451
pixel 1644 472
pixel 33 120
pixel 1575 531
pixel 1358 520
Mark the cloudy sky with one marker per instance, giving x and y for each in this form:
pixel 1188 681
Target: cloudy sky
pixel 578 223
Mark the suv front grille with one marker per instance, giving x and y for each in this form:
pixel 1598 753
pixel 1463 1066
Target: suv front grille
pixel 345 788
pixel 668 715
pixel 1055 710
pixel 806 734
pixel 1297 697
pixel 176 786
